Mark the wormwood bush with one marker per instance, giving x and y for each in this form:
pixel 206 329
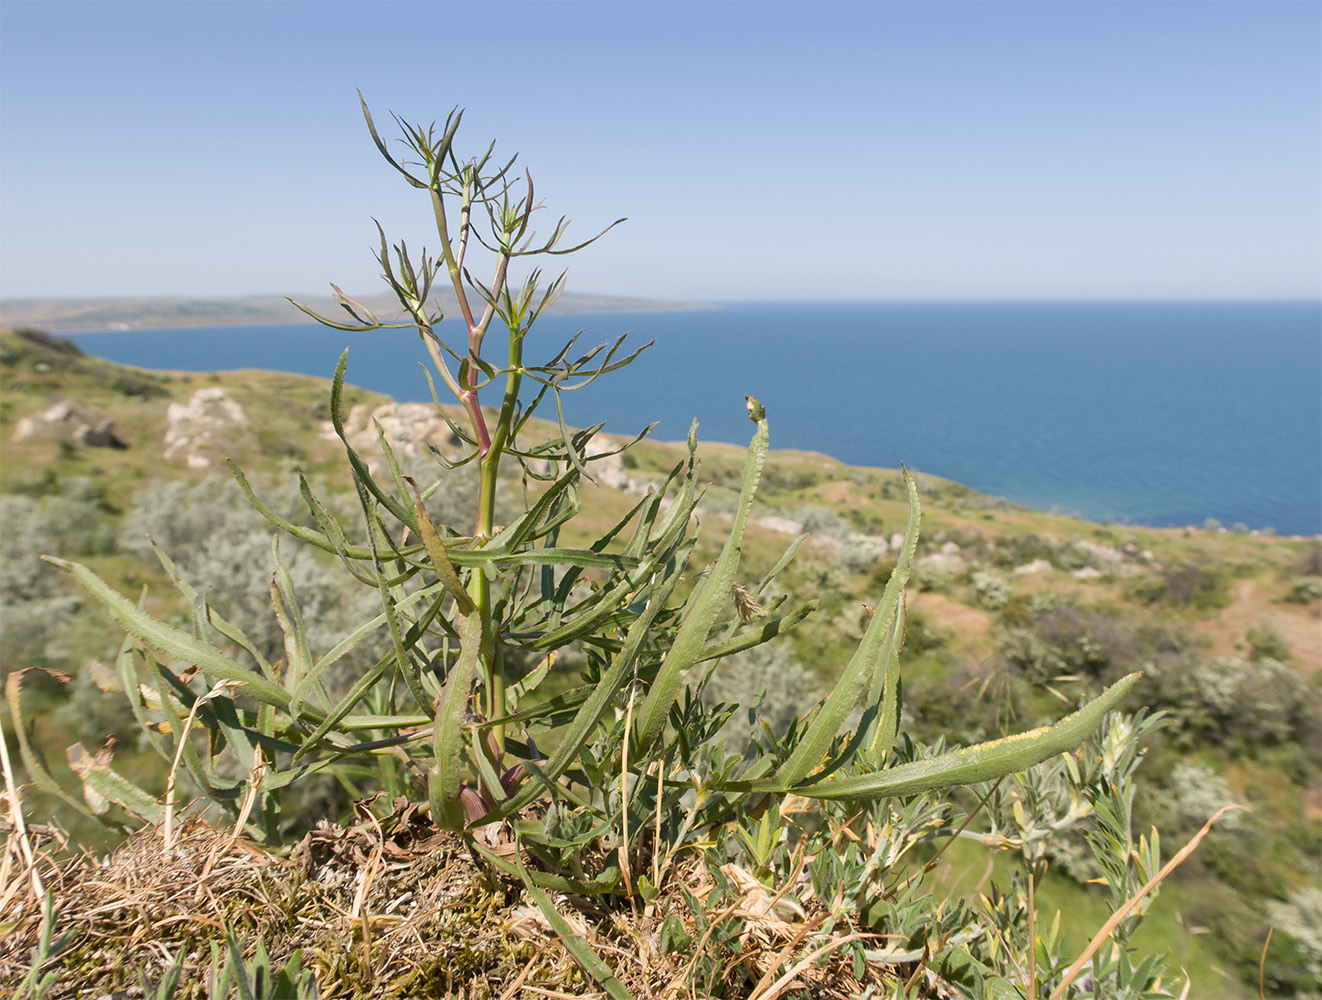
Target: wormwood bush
pixel 471 616
pixel 1189 584
pixel 991 589
pixel 215 540
pixel 770 687
pixel 1243 704
pixel 68 518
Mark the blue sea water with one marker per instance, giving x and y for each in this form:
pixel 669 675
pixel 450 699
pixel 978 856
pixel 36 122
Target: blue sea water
pixel 1146 412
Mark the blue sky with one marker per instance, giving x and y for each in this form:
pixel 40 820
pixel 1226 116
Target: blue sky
pixel 760 150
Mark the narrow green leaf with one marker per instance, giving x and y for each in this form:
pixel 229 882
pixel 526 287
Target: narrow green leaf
pixel 563 705
pixel 209 616
pixel 601 607
pixel 439 559
pixel 362 475
pixel 591 711
pixel 881 724
pixel 982 762
pixel 126 667
pixel 385 152
pixel 333 533
pixel 757 636
pixel 376 533
pixel 170 641
pixel 297 530
pixel 869 659
pixel 167 681
pixel 603 883
pixel 298 654
pixel 448 736
pixel 582 951
pixel 529 681
pixel 710 595
pixel 781 563
pixel 102 785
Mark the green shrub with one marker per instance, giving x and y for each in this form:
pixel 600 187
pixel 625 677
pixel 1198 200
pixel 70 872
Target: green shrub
pixel 1019 550
pixel 1242 704
pixel 1190 584
pixel 991 589
pixel 1265 643
pixel 1305 590
pixel 41 338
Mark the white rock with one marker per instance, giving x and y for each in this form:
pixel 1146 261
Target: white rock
pixel 608 470
pixel 69 420
pixel 209 421
pixel 943 562
pixel 782 524
pixel 1103 553
pixel 409 428
pixel 1036 566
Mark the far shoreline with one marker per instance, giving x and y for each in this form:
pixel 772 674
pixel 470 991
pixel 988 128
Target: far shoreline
pixel 103 315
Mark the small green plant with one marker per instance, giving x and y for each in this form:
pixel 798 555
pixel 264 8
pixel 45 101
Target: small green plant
pixel 233 976
pixel 40 979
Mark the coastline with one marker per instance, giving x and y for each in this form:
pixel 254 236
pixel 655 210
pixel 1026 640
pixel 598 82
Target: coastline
pixel 1006 398
pixel 120 315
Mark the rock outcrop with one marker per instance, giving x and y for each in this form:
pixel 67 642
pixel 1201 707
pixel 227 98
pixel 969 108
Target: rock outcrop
pixel 608 469
pixel 784 525
pixel 199 430
pixel 69 421
pixel 408 427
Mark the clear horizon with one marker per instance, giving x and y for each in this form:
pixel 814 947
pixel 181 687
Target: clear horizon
pixel 762 152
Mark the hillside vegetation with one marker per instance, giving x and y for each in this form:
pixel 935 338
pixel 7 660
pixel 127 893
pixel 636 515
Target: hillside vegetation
pixel 1013 614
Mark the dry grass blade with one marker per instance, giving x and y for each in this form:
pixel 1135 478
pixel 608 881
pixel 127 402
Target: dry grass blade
pixel 20 830
pixel 1262 964
pixel 785 953
pixel 784 981
pixel 1100 938
pixel 513 987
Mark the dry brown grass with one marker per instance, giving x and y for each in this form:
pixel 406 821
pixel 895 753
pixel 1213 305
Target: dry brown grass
pixel 383 908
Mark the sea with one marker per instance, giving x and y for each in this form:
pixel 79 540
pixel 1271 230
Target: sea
pixel 1150 413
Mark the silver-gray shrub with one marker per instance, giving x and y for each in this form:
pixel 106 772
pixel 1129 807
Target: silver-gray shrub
pixel 775 688
pixel 1227 700
pixel 861 553
pixel 991 588
pixel 823 521
pixel 36 607
pixel 68 520
pixel 25 533
pixel 1191 793
pixel 221 546
pixel 1301 917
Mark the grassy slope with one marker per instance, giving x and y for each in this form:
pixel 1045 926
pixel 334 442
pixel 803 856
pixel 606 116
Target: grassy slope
pixel 286 413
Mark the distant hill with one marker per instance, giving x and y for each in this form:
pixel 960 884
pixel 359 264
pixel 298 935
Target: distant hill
pixel 81 315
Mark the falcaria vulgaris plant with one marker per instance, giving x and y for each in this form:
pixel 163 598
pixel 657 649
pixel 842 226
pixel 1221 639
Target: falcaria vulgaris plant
pixel 633 774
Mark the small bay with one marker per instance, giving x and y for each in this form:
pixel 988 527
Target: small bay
pixel 1147 412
